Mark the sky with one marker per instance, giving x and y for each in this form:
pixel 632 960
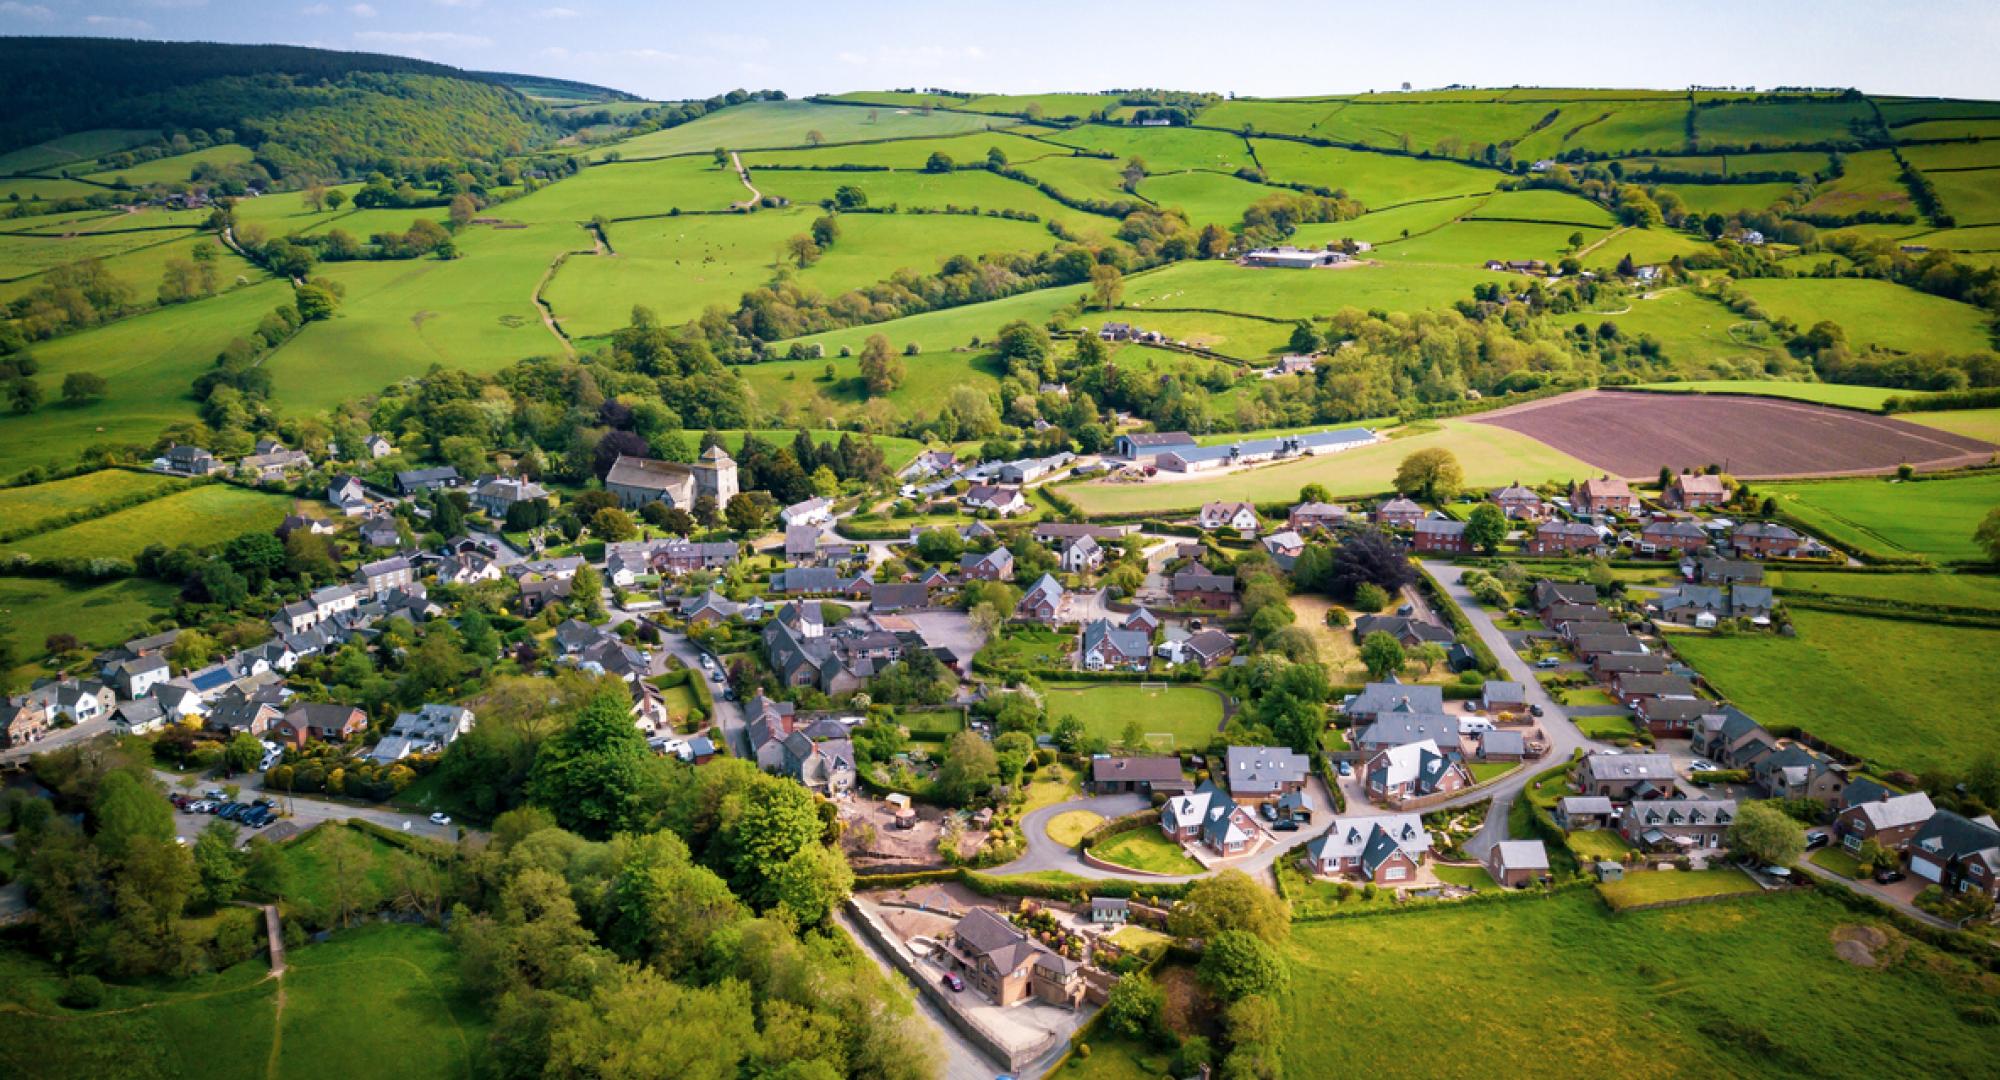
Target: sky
pixel 1247 47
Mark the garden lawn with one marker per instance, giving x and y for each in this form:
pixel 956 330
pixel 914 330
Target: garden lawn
pixel 1146 849
pixel 1068 827
pixel 1191 714
pixel 25 508
pixel 204 516
pixel 1851 680
pixel 1836 860
pixel 1561 988
pixel 1654 886
pixel 1875 312
pixel 1471 877
pixel 1482 771
pixel 1929 519
pixel 1593 845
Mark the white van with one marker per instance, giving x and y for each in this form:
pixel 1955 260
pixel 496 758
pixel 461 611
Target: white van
pixel 1474 725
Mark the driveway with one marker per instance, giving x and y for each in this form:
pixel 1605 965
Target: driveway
pixel 1896 900
pixel 728 714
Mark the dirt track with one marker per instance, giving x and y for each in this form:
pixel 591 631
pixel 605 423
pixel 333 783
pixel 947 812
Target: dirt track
pixel 1755 438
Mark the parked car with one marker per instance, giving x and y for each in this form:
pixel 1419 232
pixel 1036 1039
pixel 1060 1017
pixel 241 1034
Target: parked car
pixel 1548 662
pixel 952 981
pixel 1287 825
pixel 1534 710
pixel 1347 768
pixel 1698 765
pixel 1816 839
pixel 1889 876
pixel 1267 811
pixel 440 819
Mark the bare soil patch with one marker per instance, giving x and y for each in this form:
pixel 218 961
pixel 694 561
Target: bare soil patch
pixel 1755 438
pixel 1864 946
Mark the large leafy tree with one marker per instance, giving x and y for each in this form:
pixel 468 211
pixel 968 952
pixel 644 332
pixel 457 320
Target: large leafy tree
pixel 1433 474
pixel 594 775
pixel 1485 527
pixel 1229 900
pixel 1238 964
pixel 763 825
pixel 1763 832
pixel 1370 558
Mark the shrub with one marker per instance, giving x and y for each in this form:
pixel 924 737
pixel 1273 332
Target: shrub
pixel 1369 596
pixel 82 992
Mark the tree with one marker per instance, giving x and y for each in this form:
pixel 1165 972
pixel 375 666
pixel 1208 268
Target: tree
pixel 938 162
pixel 1434 474
pixel 1486 526
pixel 814 137
pixel 24 395
pixel 243 753
pixel 218 866
pixel 1382 655
pixel 1767 834
pixel 314 302
pixel 269 869
pixel 802 250
pixel 613 525
pixel 335 198
pixel 1369 596
pixel 345 861
pixel 881 369
pixel 1107 286
pixel 970 768
pixel 587 592
pixel 459 213
pixel 1305 341
pixel 812 883
pixel 749 511
pixel 1136 1007
pixel 1368 557
pixel 191 649
pixel 849 197
pixel 825 230
pixel 1987 536
pixel 80 387
pixel 126 811
pixel 764 825
pixel 1230 900
pixel 593 774
pixel 1238 964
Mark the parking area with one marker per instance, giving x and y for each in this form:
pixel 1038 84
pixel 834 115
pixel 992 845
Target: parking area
pixel 949 630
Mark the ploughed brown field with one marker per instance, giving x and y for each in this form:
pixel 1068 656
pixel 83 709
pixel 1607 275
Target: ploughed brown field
pixel 1634 434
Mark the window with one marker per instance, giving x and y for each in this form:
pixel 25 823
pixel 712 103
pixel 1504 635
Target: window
pixel 1396 873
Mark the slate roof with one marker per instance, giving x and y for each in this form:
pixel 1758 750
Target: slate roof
pixel 1912 809
pixel 1262 770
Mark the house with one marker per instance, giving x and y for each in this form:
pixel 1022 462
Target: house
pixel 1671 718
pixel 1719 571
pixel 1441 534
pixel 1240 516
pixel 1148 445
pixel 1751 602
pixel 497 494
pixel 79 699
pixel 1958 853
pixel 1633 689
pixel 707 609
pixel 1692 491
pixel 930 463
pixel 1729 738
pixel 802 545
pixel 1415 770
pixel 273 463
pixel 1042 603
pixel 1377 699
pixel 1605 495
pixel 1142 775
pixel 382 575
pixel 817 512
pixel 995 565
pixel 322 721
pixel 1520 503
pixel 1285 548
pixel 1626 776
pixel 1398 512
pixel 1206 647
pixel 191 461
pixel 1564 538
pixel 1892 822
pixel 1385 850
pixel 1611 654
pixel 24 720
pixel 538 593
pixel 1557 616
pixel 136 678
pixel 347 495
pixel 1060 532
pixel 1691 605
pixel 1767 540
pixel 891 597
pixel 1316 515
pixel 1257 773
pixel 1548 594
pixel 427 731
pixel 381 532
pixel 239 712
pixel 1666 537
pixel 377 445
pixel 138 717
pixel 1502 745
pixel 468 569
pixel 806 581
pixel 996 498
pixel 419 481
pixel 1684 824
pixel 1578 812
pixel 1105 647
pixel 1110 910
pixel 1515 863
pixel 1409 631
pixel 1009 966
pixel 1791 771
pixel 1194 586
pixel 1210 817
pixel 1081 554
pixel 1500 696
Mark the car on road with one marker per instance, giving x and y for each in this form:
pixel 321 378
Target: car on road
pixel 440 819
pixel 1889 876
pixel 952 981
pixel 1534 710
pixel 1698 765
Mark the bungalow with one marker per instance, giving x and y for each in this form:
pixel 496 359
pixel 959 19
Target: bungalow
pixel 1686 824
pixel 1663 537
pixel 1692 491
pixel 1515 863
pixel 891 597
pixel 1009 966
pixel 1608 654
pixel 1633 689
pixel 1548 594
pixel 999 499
pixel 1767 540
pixel 806 581
pixel 1892 822
pixel 1555 615
pixel 418 481
pixel 816 511
pixel 1626 776
pixel 1958 853
pixel 1672 718
pixel 1502 746
pixel 1563 538
pixel 323 721
pixel 1414 770
pixel 1104 647
pixel 1207 647
pixel 1043 602
pixel 1110 910
pixel 1691 605
pixel 1398 512
pixel 1257 773
pixel 1143 775
pixel 1574 813
pixel 1441 534
pixel 1751 601
pixel 1240 516
pixel 1402 726
pixel 1385 850
pixel 1520 503
pixel 707 609
pixel 1410 632
pixel 1376 699
pixel 1060 532
pixel 1317 515
pixel 930 463
pixel 1500 696
pixel 995 565
pixel 1195 586
pixel 1605 495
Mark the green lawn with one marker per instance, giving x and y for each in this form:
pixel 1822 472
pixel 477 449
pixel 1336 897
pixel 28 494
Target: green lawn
pixel 1875 312
pixel 1472 877
pixel 1586 696
pixel 1851 681
pixel 1482 771
pixel 1653 886
pixel 1146 849
pixel 1931 519
pixel 379 985
pixel 203 516
pixel 1859 397
pixel 1068 827
pixel 1562 988
pixel 24 508
pixel 1591 845
pixel 1191 714
pixel 1836 860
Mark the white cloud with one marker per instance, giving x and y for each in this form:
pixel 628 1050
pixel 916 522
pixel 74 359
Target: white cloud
pixel 556 13
pixel 26 11
pixel 169 5
pixel 362 11
pixel 423 37
pixel 458 3
pixel 118 24
pixel 316 9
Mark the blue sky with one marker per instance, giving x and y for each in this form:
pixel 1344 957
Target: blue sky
pixel 671 50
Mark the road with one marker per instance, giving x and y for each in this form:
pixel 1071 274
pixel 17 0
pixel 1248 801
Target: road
pixel 59 737
pixel 306 811
pixel 728 714
pixel 1875 892
pixel 743 174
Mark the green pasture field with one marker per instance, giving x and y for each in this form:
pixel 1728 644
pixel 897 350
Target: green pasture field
pixel 1904 110
pixel 1299 294
pixel 149 360
pixel 1378 180
pixel 1544 204
pixel 951 327
pixel 678 266
pixel 1879 231
pixel 1804 162
pixel 629 189
pixel 1786 123
pixel 910 190
pixel 1976 423
pixel 1381 227
pixel 1807 265
pixel 1871 181
pixel 39 189
pixel 1945 590
pixel 872 247
pixel 143 266
pixel 1472 241
pixel 76 148
pixel 379 984
pixel 1054 106
pixel 1932 519
pixel 1209 198
pixel 1949 129
pixel 896 452
pixel 1490 456
pixel 1850 680
pixel 100 221
pixel 1647 247
pixel 1599 994
pixel 1447 129
pixel 797 390
pixel 1163 149
pixel 1728 198
pixel 1282 117
pixel 969 148
pixel 1972 197
pixel 785 123
pixel 1082 177
pixel 1230 335
pixel 99 614
pixel 899 99
pixel 176 169
pixel 1941 156
pixel 201 517
pixel 1191 714
pixel 22 257
pixel 1874 312
pixel 1618 127
pixel 1975 238
pixel 25 507
pixel 1854 397
pixel 1146 849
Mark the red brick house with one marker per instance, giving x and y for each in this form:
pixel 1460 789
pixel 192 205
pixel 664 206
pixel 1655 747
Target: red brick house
pixel 1441 534
pixel 1399 512
pixel 1605 495
pixel 995 565
pixel 1514 863
pixel 1692 491
pixel 1767 540
pixel 1673 536
pixel 1957 853
pixel 1385 850
pixel 1520 503
pixel 1195 586
pixel 323 721
pixel 1563 538
pixel 1892 822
